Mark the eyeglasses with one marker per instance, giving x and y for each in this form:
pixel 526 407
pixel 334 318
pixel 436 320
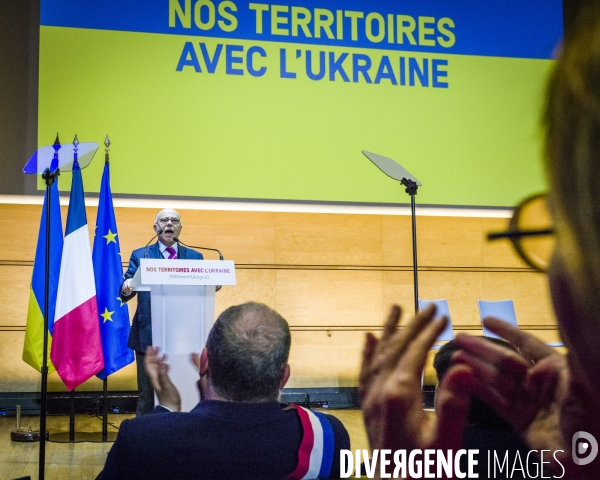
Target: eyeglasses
pixel 165 220
pixel 530 231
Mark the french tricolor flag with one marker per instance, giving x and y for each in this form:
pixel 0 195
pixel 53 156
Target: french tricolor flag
pixel 315 454
pixel 76 343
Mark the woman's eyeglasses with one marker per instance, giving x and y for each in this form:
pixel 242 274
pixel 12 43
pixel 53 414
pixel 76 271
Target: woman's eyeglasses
pixel 530 231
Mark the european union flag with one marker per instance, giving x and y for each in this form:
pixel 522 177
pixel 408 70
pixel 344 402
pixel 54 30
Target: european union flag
pixel 108 271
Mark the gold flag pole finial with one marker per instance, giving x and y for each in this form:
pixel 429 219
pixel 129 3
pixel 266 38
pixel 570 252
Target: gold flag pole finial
pixel 106 145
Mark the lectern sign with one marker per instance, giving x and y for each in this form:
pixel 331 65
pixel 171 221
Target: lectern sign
pixel 187 272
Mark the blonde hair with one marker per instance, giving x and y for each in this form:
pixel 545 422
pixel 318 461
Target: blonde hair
pixel 572 153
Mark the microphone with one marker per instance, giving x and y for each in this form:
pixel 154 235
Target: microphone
pixel 201 248
pixel 146 246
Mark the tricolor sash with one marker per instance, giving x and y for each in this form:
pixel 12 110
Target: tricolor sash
pixel 315 455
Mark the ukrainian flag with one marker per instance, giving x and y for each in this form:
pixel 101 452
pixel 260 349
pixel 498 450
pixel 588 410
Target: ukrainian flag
pixel 34 331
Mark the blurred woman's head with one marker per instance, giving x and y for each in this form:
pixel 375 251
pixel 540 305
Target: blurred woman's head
pixel 572 151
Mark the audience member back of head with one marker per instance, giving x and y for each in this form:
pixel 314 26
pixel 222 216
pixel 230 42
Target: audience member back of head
pixel 238 429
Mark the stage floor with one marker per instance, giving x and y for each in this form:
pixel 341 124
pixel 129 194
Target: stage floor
pixel 85 460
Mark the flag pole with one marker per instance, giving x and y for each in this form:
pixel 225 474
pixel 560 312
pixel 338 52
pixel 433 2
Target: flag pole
pixel 113 315
pixel 49 177
pixel 72 417
pixel 105 410
pixel 105 381
pixel 72 392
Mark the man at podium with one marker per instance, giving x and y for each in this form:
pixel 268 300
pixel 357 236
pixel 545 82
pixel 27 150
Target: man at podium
pixel 167 226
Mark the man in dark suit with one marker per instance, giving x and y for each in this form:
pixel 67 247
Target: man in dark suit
pixel 167 226
pixel 239 429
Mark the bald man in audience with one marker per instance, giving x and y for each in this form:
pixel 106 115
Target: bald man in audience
pixel 239 429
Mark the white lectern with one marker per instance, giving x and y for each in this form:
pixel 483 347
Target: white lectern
pixel 183 312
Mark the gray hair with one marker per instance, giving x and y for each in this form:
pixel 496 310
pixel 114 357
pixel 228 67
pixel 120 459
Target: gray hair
pixel 248 349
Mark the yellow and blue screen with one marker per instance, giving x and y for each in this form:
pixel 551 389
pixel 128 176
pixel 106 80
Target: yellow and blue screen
pixel 245 100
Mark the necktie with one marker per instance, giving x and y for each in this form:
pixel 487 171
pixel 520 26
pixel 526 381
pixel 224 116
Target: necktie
pixel 172 253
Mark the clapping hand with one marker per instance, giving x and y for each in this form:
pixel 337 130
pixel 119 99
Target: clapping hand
pixel 528 387
pixel 390 388
pixel 158 372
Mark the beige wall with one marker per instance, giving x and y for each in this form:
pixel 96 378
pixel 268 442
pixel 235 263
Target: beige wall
pixel 332 276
